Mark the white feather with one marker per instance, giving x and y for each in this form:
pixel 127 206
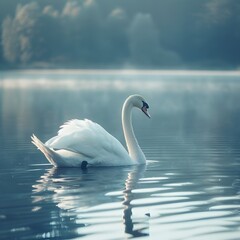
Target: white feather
pixel 84 140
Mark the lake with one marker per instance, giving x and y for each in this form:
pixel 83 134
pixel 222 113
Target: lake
pixel 189 189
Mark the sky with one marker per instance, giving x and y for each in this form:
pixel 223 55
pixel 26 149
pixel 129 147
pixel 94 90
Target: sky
pixel 153 34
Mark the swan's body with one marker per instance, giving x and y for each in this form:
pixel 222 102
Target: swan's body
pixel 83 142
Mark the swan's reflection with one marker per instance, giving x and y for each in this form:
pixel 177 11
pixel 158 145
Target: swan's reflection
pixel 130 184
pixel 76 192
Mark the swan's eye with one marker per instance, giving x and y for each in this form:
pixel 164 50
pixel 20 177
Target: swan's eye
pixel 145 108
pixel 145 104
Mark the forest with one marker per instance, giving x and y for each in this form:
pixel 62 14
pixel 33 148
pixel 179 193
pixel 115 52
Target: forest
pixel 156 34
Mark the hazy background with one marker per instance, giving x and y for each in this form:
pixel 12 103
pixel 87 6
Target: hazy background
pixel 199 34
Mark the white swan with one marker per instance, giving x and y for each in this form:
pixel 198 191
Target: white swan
pixel 82 142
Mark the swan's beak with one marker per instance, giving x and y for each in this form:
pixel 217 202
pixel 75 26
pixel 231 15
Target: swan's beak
pixel 144 109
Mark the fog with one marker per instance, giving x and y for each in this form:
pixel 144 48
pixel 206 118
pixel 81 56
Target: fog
pixel 121 34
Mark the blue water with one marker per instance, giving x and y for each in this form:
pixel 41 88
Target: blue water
pixel 190 188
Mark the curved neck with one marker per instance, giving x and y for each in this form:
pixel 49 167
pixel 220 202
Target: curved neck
pixel 134 150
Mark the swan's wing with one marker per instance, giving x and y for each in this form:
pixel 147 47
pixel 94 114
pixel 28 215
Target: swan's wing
pixel 87 138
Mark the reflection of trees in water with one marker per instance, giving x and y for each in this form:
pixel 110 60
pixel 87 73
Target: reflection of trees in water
pixel 75 191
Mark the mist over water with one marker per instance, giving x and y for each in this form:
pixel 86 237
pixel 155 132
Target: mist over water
pixel 188 190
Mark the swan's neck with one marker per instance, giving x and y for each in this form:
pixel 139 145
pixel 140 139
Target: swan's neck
pixel 134 150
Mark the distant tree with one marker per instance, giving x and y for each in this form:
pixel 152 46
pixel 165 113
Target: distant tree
pixel 115 37
pixel 143 40
pixel 52 33
pixel 21 36
pixel 218 33
pixel 9 40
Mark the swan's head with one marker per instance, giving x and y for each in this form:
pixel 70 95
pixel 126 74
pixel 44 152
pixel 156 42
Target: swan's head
pixel 139 102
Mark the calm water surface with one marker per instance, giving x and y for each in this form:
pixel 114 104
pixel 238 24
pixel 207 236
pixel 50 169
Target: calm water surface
pixel 190 188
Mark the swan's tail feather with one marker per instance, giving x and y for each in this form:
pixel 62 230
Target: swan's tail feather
pixel 50 154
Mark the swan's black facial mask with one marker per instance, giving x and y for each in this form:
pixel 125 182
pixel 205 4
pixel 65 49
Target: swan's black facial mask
pixel 145 108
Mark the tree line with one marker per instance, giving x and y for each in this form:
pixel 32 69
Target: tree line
pixel 88 34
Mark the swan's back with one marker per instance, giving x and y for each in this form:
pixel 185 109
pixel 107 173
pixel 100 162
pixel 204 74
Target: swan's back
pixel 91 142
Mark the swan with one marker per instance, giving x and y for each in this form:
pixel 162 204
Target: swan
pixel 82 143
